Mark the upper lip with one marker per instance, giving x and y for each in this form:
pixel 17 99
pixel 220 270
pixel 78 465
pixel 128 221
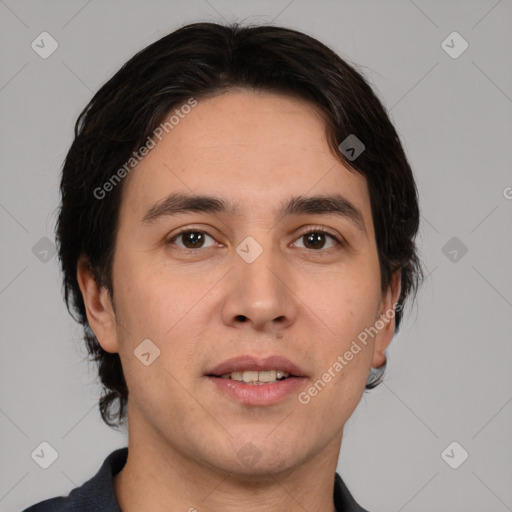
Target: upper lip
pixel 250 363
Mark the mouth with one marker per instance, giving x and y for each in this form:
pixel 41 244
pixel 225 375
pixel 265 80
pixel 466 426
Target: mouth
pixel 256 377
pixel 254 381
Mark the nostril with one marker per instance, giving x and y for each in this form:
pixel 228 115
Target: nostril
pixel 241 318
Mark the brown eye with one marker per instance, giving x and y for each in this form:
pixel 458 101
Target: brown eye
pixel 316 240
pixel 191 239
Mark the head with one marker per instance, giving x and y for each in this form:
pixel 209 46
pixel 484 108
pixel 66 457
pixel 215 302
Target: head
pixel 250 117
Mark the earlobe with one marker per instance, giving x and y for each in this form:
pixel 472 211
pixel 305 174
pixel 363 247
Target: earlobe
pixel 98 306
pixel 386 321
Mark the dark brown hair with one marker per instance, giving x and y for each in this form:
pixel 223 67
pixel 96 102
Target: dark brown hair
pixel 201 60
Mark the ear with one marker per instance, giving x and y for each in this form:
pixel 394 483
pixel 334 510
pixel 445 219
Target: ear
pixel 98 306
pixel 386 319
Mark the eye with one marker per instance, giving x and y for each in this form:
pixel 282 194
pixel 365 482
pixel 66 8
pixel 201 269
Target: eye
pixel 315 239
pixel 192 239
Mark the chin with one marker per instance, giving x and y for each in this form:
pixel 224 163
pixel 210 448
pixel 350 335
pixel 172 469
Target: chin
pixel 264 457
pixel 262 470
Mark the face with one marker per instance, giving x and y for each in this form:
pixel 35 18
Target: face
pixel 259 277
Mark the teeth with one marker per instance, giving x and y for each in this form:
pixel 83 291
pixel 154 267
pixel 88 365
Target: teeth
pixel 251 377
pixel 268 376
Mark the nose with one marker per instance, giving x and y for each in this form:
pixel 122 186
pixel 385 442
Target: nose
pixel 260 295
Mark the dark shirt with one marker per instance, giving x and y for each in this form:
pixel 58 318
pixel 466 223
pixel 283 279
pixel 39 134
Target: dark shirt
pixel 97 494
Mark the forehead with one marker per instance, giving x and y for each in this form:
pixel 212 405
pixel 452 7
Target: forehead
pixel 253 147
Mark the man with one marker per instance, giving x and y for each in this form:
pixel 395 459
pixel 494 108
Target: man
pixel 237 238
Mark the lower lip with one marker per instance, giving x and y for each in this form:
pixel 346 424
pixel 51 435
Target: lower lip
pixel 258 394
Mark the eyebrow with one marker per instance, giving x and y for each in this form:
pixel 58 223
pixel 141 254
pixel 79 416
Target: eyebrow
pixel 179 203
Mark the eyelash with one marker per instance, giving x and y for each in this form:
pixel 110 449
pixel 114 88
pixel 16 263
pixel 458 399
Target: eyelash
pixel 315 229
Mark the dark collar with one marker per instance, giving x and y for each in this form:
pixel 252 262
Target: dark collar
pixel 343 500
pixel 98 493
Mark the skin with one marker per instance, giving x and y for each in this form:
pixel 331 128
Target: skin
pixel 305 302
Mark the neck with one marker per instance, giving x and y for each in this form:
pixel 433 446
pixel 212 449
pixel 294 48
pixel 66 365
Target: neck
pixel 158 477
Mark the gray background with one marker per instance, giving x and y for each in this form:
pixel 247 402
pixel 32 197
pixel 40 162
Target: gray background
pixel 449 376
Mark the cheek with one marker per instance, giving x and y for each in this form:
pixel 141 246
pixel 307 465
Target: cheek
pixel 153 306
pixel 156 304
pixel 152 300
pixel 346 303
